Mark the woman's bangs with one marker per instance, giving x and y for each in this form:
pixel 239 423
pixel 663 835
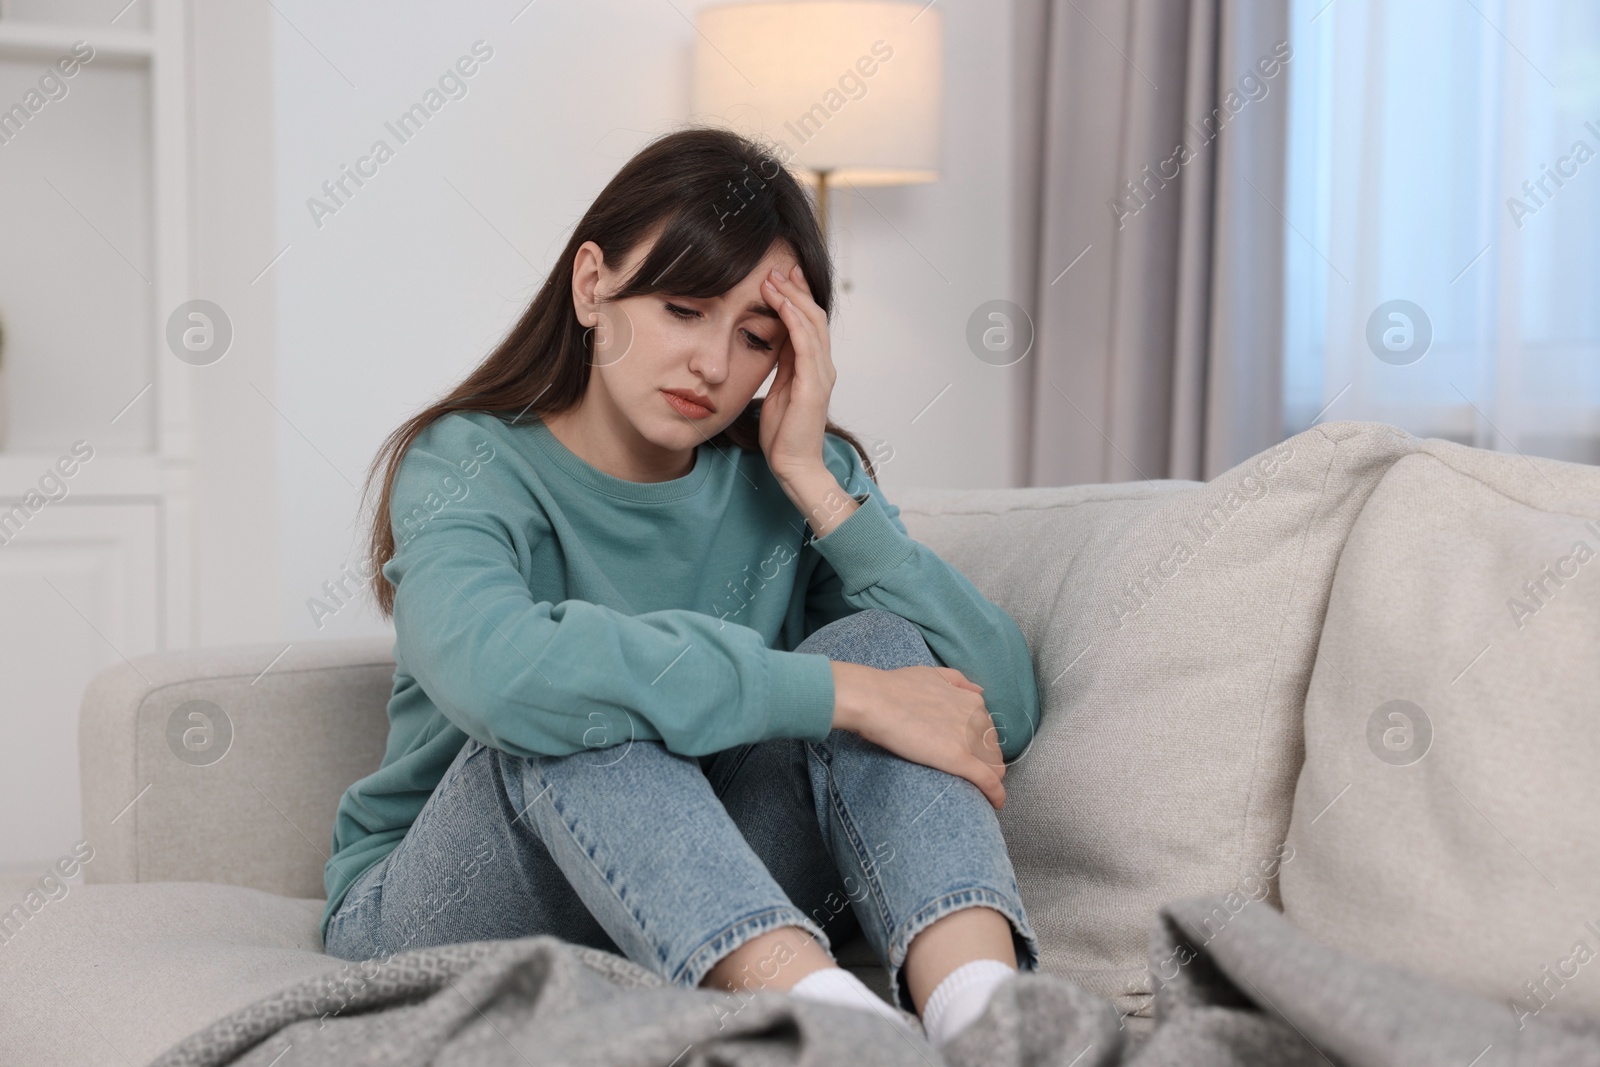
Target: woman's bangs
pixel 703 261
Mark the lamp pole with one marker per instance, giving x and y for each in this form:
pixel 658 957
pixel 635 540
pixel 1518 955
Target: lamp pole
pixel 822 203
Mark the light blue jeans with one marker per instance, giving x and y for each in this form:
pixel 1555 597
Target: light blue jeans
pixel 675 861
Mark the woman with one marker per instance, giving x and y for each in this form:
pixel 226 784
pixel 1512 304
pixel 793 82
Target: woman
pixel 635 705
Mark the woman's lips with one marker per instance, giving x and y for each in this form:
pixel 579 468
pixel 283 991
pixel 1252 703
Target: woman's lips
pixel 687 408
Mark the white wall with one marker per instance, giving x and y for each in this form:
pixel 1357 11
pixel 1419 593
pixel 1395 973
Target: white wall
pixel 236 491
pixel 410 284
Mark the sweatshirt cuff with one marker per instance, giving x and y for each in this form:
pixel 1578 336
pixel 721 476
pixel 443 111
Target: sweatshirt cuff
pixel 799 695
pixel 865 546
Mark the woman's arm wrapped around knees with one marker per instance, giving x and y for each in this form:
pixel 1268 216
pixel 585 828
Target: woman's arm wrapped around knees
pixel 870 561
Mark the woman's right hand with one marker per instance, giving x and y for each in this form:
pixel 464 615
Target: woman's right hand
pixel 928 715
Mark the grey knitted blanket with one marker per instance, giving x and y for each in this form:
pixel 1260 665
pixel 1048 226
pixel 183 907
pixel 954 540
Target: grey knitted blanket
pixel 1257 993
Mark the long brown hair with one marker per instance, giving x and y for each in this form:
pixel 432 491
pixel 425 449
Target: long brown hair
pixel 720 200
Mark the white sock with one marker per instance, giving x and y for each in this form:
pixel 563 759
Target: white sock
pixel 958 1000
pixel 837 986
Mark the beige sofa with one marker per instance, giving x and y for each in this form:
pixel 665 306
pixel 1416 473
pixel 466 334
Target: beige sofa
pixel 1355 676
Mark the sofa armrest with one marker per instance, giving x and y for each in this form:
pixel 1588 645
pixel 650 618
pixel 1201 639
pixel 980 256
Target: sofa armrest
pixel 227 764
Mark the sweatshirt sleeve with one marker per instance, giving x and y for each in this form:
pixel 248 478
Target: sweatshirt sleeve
pixel 532 676
pixel 869 561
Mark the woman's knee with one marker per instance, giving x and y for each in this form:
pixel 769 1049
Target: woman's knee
pixel 851 746
pixel 872 637
pixel 595 780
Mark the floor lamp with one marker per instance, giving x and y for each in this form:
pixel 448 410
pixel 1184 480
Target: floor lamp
pixel 850 91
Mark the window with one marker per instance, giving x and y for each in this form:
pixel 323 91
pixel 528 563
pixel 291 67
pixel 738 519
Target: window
pixel 1443 248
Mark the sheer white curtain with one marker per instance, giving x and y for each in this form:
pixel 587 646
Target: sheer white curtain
pixel 1446 153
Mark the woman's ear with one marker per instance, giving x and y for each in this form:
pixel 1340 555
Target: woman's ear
pixel 588 269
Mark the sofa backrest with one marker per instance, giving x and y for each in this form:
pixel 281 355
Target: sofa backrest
pixel 227 764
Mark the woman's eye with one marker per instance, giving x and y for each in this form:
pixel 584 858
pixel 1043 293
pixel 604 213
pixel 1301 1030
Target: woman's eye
pixel 752 341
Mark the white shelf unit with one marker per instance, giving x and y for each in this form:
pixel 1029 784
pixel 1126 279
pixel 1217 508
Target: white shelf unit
pixel 106 572
pixel 20 39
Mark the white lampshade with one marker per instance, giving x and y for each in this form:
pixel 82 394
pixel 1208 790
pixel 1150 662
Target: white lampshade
pixel 850 88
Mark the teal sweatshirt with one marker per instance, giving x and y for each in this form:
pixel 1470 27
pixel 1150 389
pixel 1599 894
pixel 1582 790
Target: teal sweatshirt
pixel 543 606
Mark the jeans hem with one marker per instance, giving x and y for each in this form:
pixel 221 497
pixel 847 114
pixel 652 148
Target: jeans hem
pixel 949 903
pixel 700 962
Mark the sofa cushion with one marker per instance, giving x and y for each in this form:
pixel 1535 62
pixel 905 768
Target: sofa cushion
pixel 112 975
pixel 1446 815
pixel 1173 626
pixel 116 974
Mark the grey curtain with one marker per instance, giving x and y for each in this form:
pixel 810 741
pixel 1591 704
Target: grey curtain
pixel 1150 178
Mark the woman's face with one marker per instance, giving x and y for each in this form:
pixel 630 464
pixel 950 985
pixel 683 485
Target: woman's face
pixel 675 370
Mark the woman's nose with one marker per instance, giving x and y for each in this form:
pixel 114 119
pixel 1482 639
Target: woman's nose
pixel 709 363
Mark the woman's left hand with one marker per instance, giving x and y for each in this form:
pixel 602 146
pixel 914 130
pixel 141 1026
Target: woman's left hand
pixel 795 411
pixel 794 415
